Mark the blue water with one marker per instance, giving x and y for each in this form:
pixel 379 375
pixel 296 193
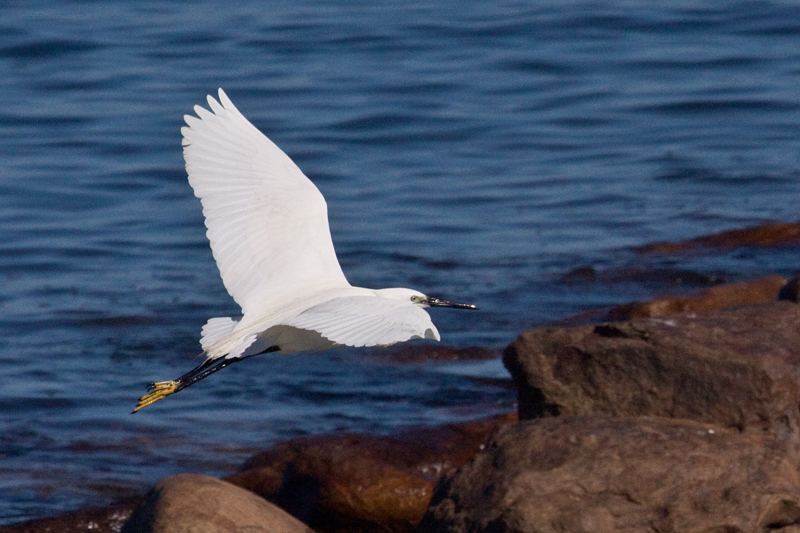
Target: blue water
pixel 473 150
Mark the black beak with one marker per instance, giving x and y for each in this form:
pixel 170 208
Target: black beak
pixel 436 302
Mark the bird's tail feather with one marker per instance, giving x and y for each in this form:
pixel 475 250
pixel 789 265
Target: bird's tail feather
pixel 216 329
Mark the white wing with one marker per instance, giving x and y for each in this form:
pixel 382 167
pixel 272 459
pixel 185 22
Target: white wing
pixel 366 321
pixel 267 223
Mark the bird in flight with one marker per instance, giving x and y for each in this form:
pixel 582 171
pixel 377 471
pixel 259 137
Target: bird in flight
pixel 268 228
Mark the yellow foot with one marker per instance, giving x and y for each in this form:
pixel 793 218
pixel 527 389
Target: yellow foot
pixel 158 391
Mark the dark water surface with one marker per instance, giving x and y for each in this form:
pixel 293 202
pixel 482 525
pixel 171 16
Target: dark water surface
pixel 476 151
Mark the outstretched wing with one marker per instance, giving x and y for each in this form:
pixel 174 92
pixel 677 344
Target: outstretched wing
pixel 366 321
pixel 267 223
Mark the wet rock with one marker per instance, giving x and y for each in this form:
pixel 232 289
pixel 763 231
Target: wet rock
pixel 101 520
pixel 409 353
pixel 192 503
pixel 604 474
pixel 338 487
pixel 350 483
pixel 746 293
pixel 363 482
pixel 640 275
pixel 735 367
pixel 767 235
pixel 791 291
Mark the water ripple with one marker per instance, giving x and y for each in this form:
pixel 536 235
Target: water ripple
pixel 477 151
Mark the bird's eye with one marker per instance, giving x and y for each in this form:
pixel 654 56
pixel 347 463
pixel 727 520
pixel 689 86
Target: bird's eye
pixel 416 299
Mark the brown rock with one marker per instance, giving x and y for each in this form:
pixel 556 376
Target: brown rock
pixel 99 520
pixel 192 503
pixel 340 488
pixel 736 367
pixel 412 353
pixel 746 293
pixel 360 482
pixel 791 291
pixel 780 234
pixel 641 275
pixel 601 474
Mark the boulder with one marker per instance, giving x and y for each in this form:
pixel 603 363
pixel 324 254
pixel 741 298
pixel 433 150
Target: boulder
pixel 193 503
pixel 363 482
pixel 604 474
pixel 735 367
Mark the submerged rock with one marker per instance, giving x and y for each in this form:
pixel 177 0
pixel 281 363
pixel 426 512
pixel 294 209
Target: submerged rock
pixel 766 235
pixel 95 520
pixel 758 291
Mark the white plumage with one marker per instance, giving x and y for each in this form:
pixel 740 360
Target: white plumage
pixel 268 229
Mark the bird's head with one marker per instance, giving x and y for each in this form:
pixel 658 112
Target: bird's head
pixel 420 299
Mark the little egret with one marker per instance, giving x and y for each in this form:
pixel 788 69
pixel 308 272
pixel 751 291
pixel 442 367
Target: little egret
pixel 268 228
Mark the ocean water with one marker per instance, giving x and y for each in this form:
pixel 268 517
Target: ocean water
pixel 476 151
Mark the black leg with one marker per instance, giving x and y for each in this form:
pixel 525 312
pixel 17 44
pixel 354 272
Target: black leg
pixel 162 389
pixel 190 374
pixel 202 372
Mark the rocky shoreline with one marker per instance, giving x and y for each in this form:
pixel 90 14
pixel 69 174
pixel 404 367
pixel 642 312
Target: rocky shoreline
pixel 678 414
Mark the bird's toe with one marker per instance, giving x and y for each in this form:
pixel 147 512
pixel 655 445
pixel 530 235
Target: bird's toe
pixel 156 391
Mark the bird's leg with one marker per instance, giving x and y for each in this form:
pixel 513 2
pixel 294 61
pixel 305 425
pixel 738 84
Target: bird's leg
pixel 162 389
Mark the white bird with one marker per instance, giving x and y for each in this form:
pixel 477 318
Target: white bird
pixel 268 228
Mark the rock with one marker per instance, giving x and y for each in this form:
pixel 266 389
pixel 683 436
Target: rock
pixel 644 275
pixel 781 234
pixel 332 481
pixel 746 293
pixel 97 520
pixel 339 488
pixel 363 482
pixel 604 474
pixel 193 503
pixel 339 484
pixel 736 367
pixel 791 291
pixel 412 353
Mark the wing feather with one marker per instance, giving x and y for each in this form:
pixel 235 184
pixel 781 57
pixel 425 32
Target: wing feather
pixel 267 223
pixel 366 321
